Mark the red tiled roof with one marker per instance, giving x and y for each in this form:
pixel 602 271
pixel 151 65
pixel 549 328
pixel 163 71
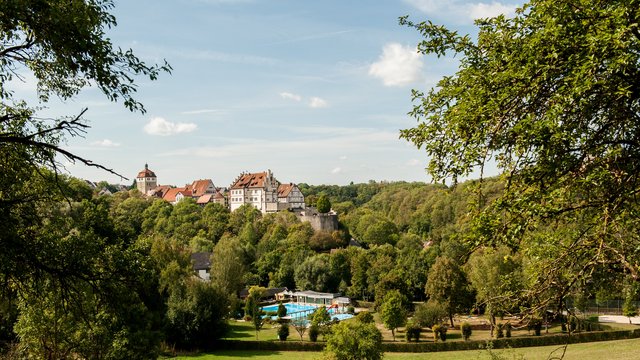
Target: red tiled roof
pixel 199 187
pixel 146 172
pixel 285 189
pixel 159 191
pixel 219 195
pixel 207 198
pixel 255 180
pixel 171 194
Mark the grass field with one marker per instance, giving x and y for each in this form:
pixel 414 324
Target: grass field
pixel 617 350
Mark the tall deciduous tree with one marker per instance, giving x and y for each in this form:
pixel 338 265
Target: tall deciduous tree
pixel 448 286
pixel 552 98
pixel 392 311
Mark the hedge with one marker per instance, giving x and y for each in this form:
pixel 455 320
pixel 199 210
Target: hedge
pixel 516 342
pixel 268 345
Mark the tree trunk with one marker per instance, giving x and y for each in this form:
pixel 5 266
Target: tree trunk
pixel 451 319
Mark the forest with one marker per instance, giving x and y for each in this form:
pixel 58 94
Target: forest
pixel 135 282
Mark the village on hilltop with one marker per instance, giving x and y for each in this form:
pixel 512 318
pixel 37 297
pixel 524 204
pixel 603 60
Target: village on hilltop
pixel 262 190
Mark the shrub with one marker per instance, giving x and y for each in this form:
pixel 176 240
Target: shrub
pixel 314 331
pixel 499 331
pixel 536 325
pixel 507 329
pixel 283 332
pixel 248 318
pixel 282 310
pixel 439 332
pixel 436 332
pixel 429 314
pixel 465 329
pixel 365 317
pixel 443 332
pixel 350 310
pixel 355 340
pixel 413 331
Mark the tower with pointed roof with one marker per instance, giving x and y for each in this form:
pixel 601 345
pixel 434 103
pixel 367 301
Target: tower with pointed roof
pixel 146 180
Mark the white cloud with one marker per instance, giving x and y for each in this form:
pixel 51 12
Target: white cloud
pixel 413 162
pixel 105 143
pixel 316 102
pixel 398 65
pixel 457 9
pixel 343 157
pixel 483 10
pixel 162 127
pixel 336 170
pixel 290 96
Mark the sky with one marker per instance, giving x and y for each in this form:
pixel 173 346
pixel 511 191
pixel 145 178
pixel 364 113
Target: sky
pixel 315 91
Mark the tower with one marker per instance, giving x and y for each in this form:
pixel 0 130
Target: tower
pixel 146 180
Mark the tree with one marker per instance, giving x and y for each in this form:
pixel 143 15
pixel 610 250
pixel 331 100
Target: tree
pixel 300 325
pixel 430 313
pixel 355 341
pixel 63 45
pixel 323 204
pixel 227 266
pixel 392 312
pixel 252 307
pixel 496 276
pixel 447 285
pixel 550 97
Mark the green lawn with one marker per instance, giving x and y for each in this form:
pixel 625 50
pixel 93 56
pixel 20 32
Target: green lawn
pixel 619 350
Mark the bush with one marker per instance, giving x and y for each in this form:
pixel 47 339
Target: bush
pixel 535 324
pixel 465 329
pixel 365 317
pixel 443 332
pixel 355 340
pixel 439 332
pixel 429 314
pixel 499 331
pixel 351 310
pixel 507 329
pixel 282 310
pixel 436 332
pixel 314 331
pixel 283 332
pixel 413 331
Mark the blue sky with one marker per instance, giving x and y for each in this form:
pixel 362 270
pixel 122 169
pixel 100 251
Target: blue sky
pixel 316 91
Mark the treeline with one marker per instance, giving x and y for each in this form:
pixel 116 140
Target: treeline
pixel 129 286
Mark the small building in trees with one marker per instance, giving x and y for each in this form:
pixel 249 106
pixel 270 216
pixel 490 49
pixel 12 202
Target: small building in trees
pixel 290 197
pixel 202 264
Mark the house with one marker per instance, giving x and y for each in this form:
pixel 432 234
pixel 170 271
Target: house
pixel 202 264
pixel 290 197
pixel 257 189
pixel 174 195
pixel 202 187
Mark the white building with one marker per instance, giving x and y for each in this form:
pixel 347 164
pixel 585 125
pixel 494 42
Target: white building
pixel 257 189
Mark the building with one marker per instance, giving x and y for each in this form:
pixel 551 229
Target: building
pixel 146 180
pixel 257 189
pixel 264 192
pixel 290 197
pixel 202 264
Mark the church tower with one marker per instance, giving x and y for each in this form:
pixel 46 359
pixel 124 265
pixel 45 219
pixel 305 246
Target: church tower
pixel 146 180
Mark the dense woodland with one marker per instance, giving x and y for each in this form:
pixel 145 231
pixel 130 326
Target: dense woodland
pixel 415 236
